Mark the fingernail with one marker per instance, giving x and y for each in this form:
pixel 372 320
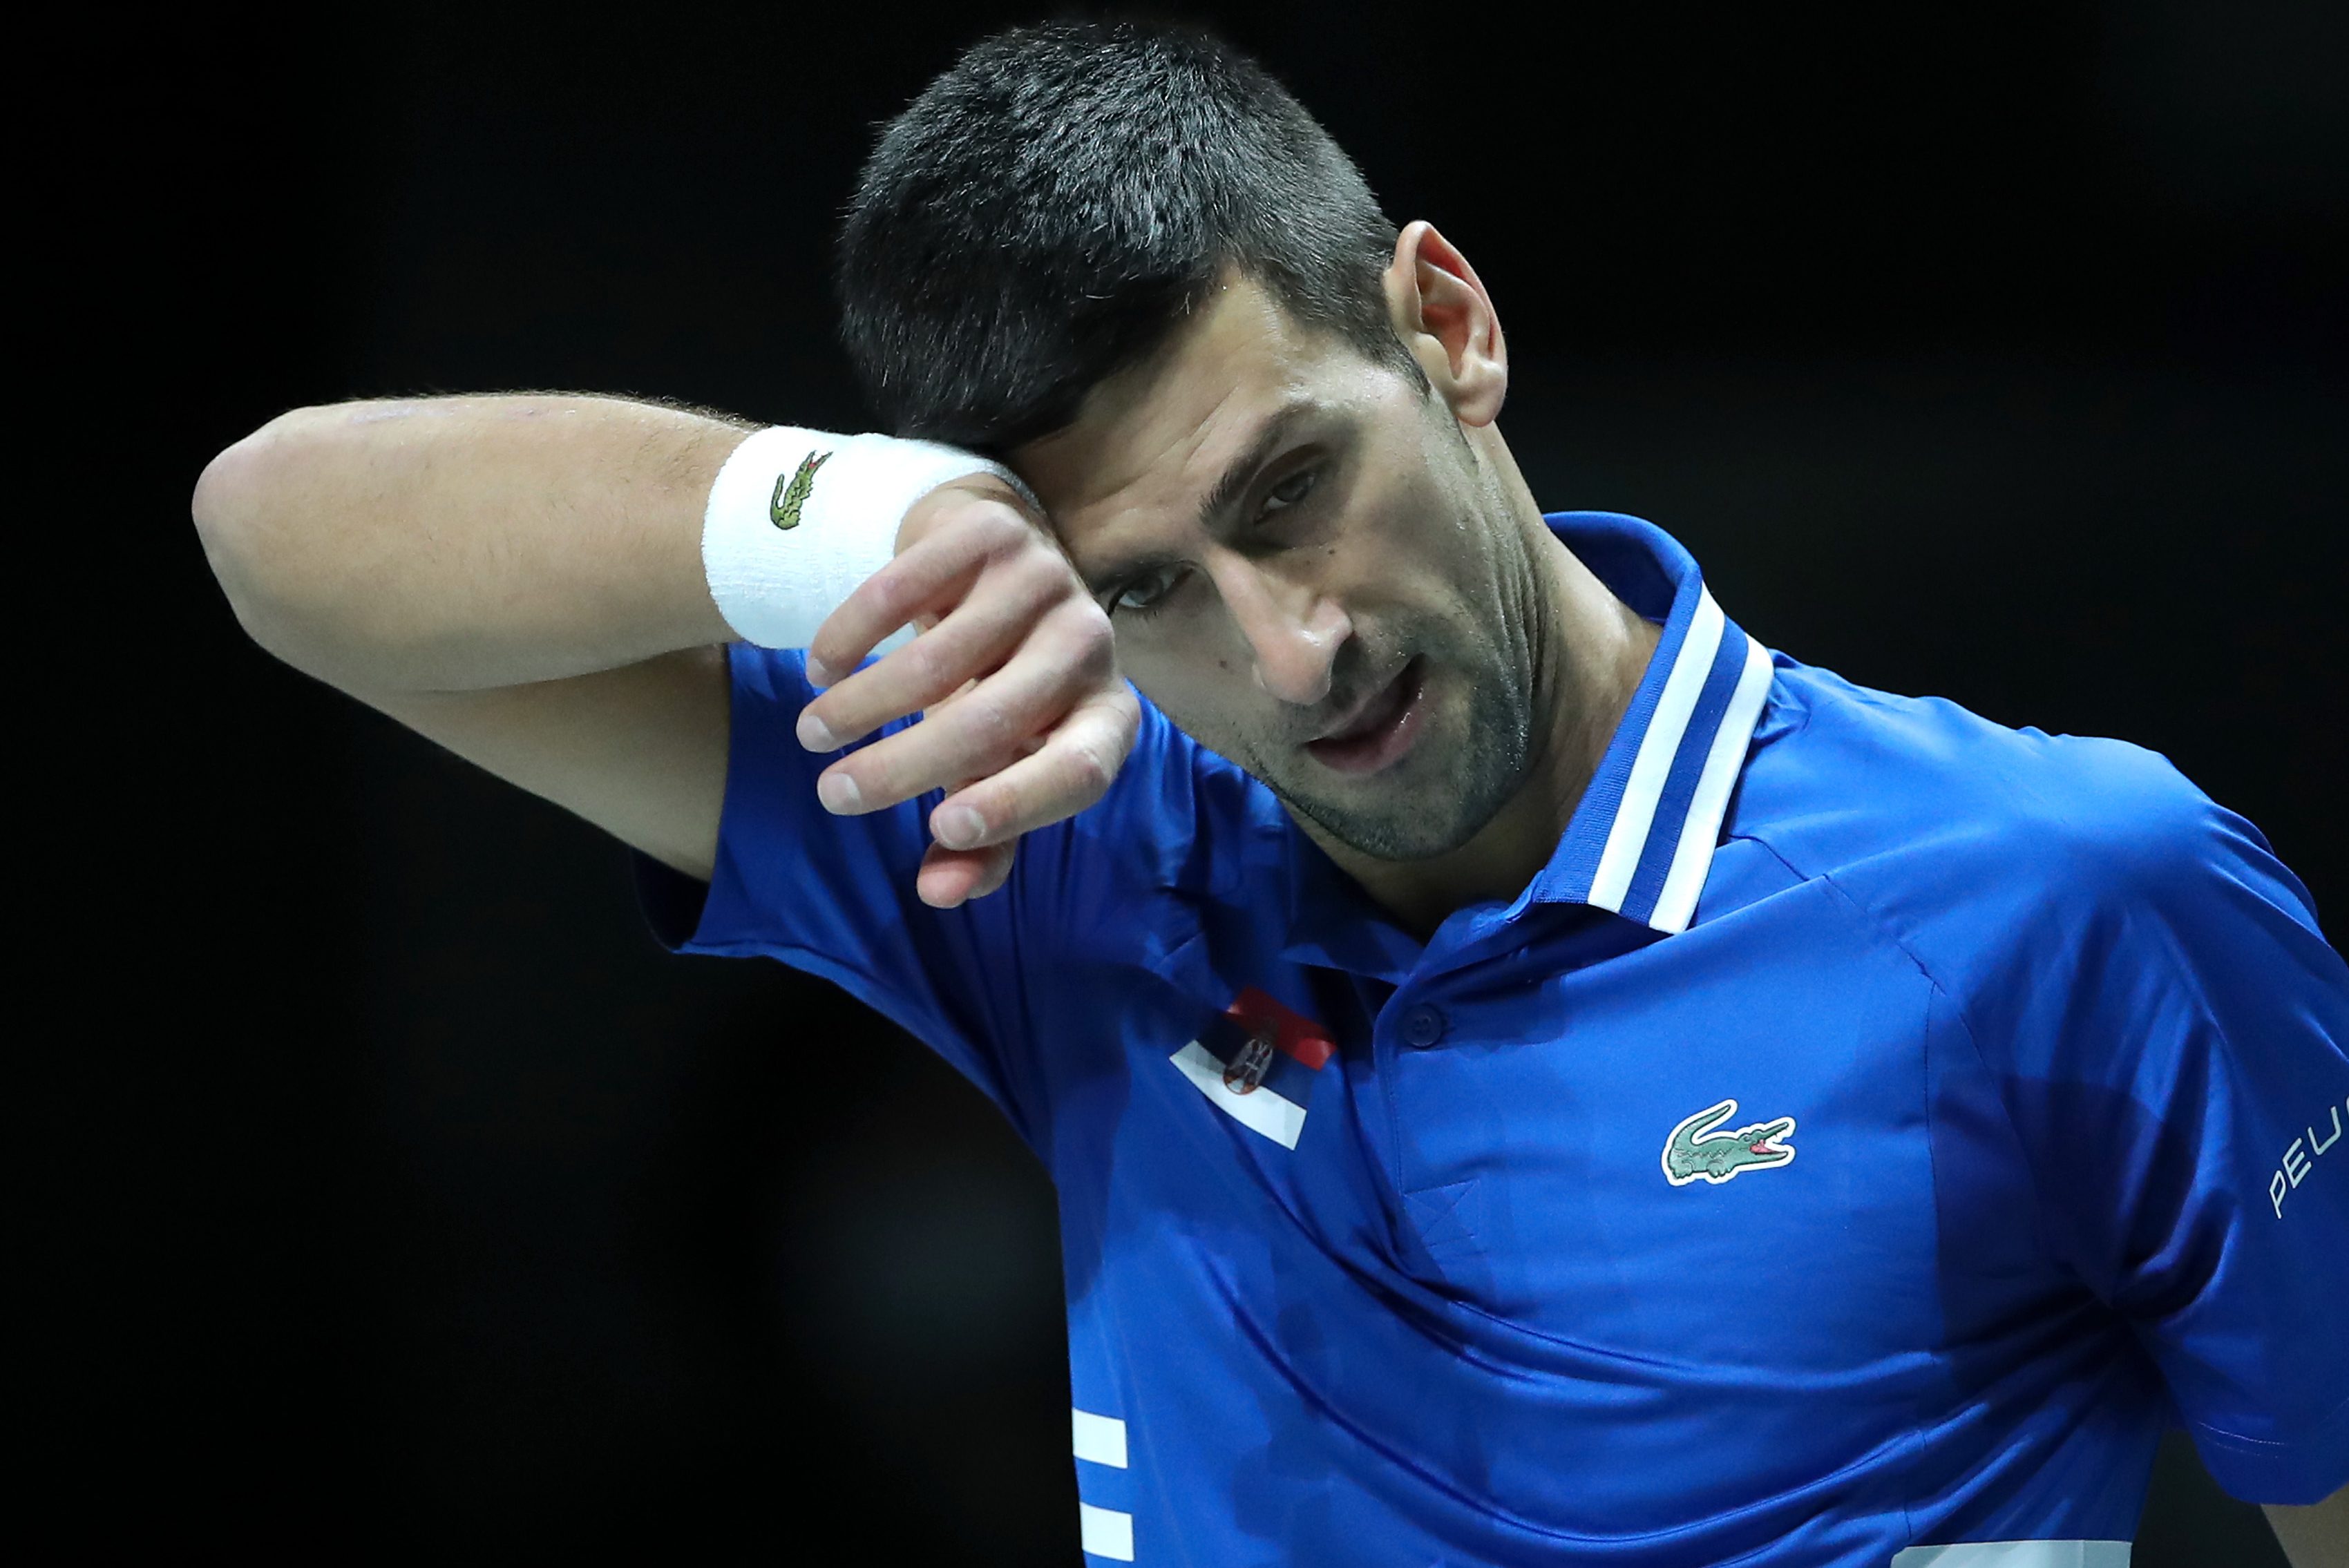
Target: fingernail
pixel 838 792
pixel 816 735
pixel 958 827
pixel 818 673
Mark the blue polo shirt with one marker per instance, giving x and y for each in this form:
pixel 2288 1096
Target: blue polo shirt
pixel 1866 1134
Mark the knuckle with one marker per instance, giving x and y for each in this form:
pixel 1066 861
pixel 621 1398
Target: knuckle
pixel 1089 769
pixel 987 720
pixel 1097 652
pixel 1063 571
pixel 926 664
pixel 1002 530
pixel 894 595
pixel 1087 646
pixel 1042 578
pixel 1087 621
pixel 957 504
pixel 854 624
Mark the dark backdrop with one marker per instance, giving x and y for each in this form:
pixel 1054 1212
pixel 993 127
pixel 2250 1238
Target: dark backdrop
pixel 399 1198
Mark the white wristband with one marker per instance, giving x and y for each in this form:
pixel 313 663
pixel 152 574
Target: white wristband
pixel 797 519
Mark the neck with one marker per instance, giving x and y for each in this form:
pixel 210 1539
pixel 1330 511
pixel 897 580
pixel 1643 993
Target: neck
pixel 1590 651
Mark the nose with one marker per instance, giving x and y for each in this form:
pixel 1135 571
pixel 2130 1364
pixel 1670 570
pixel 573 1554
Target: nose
pixel 1293 630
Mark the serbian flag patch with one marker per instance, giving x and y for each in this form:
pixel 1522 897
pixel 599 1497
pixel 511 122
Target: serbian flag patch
pixel 1254 1062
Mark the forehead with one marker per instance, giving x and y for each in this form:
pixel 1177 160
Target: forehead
pixel 1152 440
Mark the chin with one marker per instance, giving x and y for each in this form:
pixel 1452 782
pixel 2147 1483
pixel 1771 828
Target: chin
pixel 1391 834
pixel 1428 817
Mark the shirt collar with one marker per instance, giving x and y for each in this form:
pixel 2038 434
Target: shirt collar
pixel 1641 839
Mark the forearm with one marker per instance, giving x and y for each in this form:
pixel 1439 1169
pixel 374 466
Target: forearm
pixel 453 544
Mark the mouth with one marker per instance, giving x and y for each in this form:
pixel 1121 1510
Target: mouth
pixel 1381 731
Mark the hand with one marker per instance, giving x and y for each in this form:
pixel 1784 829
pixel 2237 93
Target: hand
pixel 1027 719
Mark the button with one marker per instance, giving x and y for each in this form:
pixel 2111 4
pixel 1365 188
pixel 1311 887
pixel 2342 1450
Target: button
pixel 1422 1026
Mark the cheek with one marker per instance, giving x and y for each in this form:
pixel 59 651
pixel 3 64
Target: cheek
pixel 1419 526
pixel 1205 693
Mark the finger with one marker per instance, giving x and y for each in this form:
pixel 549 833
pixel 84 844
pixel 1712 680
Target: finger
pixel 1068 772
pixel 930 575
pixel 952 877
pixel 981 730
pixel 972 640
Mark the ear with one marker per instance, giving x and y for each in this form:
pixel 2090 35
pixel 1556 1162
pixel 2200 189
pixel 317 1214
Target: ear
pixel 1445 318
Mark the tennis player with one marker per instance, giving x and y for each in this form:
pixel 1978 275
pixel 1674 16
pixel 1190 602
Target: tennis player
pixel 1531 1075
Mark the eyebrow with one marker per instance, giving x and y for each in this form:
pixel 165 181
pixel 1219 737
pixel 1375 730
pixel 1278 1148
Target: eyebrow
pixel 1227 491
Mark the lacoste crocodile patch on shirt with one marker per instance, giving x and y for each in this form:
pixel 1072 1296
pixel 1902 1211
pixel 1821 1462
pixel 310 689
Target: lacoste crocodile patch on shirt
pixel 1698 1151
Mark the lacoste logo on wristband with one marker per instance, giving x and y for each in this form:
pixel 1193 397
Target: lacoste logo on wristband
pixel 1698 1152
pixel 792 489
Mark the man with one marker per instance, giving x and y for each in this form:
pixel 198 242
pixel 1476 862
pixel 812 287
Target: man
pixel 1529 1074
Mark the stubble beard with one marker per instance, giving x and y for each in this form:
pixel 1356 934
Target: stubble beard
pixel 1441 794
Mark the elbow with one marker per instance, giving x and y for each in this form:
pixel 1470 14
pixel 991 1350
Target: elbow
pixel 238 486
pixel 241 508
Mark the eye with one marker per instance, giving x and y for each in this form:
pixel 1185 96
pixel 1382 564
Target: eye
pixel 1146 593
pixel 1290 491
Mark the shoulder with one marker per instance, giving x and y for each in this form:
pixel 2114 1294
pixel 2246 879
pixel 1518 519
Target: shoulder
pixel 1858 776
pixel 1984 847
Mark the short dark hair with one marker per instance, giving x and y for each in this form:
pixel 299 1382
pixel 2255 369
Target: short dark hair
pixel 1051 206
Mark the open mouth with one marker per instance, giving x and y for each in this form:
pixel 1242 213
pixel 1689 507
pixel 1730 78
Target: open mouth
pixel 1381 732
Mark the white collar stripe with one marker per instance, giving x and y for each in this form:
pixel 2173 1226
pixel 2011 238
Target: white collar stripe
pixel 1701 830
pixel 1627 837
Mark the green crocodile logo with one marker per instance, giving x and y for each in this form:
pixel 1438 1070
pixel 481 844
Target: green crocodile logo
pixel 792 489
pixel 1698 1151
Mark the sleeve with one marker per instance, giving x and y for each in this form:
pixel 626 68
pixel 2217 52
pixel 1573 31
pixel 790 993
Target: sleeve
pixel 2177 1077
pixel 833 896
pixel 983 985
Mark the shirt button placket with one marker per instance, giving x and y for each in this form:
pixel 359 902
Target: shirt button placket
pixel 1422 1026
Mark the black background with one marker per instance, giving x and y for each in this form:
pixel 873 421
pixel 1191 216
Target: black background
pixel 393 1195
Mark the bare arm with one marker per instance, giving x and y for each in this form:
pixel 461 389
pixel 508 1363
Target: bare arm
pixel 2316 1536
pixel 520 579
pixel 454 544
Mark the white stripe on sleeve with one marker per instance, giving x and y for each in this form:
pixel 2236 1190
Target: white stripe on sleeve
pixel 1106 1533
pixel 1099 1439
pixel 2017 1554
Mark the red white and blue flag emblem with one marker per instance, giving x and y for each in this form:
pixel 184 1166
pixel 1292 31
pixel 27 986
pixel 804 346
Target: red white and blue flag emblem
pixel 1254 1062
